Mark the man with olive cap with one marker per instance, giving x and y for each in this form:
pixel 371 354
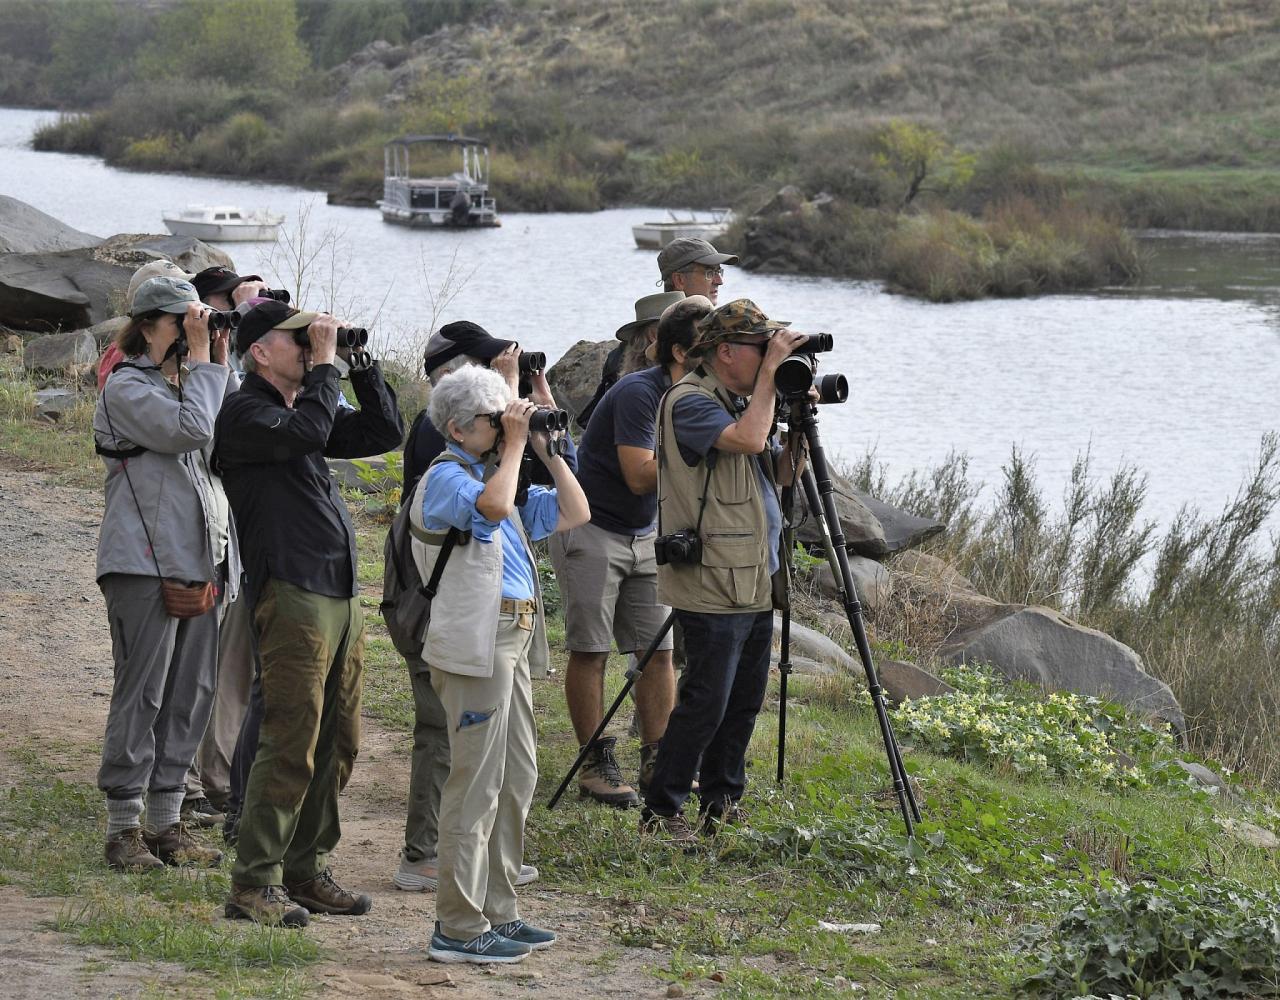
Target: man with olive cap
pixel 719 474
pixel 693 266
pixel 271 440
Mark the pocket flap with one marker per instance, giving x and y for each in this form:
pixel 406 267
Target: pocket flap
pixel 730 551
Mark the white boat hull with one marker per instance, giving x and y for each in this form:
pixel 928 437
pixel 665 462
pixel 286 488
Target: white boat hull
pixel 434 218
pixel 222 232
pixel 656 235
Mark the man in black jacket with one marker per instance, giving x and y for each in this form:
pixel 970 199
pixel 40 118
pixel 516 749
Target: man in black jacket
pixel 271 439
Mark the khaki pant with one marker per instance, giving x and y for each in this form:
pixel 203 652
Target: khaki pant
pixel 210 773
pixel 312 652
pixel 492 776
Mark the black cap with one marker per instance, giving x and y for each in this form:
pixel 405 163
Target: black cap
pixel 462 337
pixel 213 280
pixel 266 316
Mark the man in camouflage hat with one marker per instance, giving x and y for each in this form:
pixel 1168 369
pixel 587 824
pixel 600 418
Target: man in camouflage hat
pixel 719 472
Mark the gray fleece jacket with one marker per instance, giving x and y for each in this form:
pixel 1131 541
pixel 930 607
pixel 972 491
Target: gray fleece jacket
pixel 181 501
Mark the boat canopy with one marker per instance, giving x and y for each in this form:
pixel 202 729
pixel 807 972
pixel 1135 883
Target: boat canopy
pixel 457 140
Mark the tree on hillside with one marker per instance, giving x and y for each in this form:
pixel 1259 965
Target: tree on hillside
pixel 439 103
pixel 913 154
pixel 253 43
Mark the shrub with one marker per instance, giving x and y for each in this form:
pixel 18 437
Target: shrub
pixel 941 255
pixel 1162 940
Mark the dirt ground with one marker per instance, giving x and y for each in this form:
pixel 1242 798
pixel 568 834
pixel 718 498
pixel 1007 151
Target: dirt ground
pixel 55 683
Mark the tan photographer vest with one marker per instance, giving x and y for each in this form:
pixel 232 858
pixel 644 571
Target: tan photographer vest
pixel 734 574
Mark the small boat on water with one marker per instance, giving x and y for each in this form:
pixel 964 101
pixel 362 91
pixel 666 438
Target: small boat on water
pixel 656 235
pixel 459 200
pixel 223 224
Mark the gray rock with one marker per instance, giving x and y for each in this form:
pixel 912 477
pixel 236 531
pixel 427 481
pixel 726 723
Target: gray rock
pixel 901 530
pixel 573 379
pixel 933 569
pixel 59 352
pixel 348 475
pixel 1251 834
pixel 53 403
pixel 814 647
pixel 12 344
pixel 903 681
pixel 1202 775
pixel 871 579
pixel 863 532
pixel 105 332
pixel 24 229
pixel 187 252
pixel 1042 646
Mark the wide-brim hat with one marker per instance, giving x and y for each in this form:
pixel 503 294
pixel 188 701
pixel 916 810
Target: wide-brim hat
pixel 171 295
pixel 739 318
pixel 649 309
pixel 688 304
pixel 265 317
pixel 686 250
pixel 461 337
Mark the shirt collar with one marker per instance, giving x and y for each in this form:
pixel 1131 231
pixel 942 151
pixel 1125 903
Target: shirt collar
pixel 458 450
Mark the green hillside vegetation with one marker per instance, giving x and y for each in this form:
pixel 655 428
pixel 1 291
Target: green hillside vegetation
pixel 1092 115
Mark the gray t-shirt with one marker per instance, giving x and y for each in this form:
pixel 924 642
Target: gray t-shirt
pixel 699 422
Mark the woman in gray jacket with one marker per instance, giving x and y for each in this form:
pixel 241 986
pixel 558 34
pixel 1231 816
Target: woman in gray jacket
pixel 166 520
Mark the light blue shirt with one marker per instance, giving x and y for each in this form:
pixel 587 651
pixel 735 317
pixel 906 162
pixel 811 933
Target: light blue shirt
pixel 449 501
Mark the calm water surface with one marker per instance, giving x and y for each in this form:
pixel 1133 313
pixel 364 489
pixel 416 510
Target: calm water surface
pixel 1178 377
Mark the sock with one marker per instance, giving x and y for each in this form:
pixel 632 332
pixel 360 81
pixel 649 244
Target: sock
pixel 163 809
pixel 123 814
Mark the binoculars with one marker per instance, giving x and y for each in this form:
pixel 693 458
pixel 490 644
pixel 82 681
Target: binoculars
pixel 548 421
pixel 279 294
pixel 351 337
pixel 532 362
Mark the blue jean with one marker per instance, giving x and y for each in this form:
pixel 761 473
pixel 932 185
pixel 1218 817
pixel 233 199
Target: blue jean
pixel 725 676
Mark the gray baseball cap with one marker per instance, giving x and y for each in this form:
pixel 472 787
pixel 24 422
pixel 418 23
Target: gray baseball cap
pixel 171 295
pixel 686 250
pixel 156 269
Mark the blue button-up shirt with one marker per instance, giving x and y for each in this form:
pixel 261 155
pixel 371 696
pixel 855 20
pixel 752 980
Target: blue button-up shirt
pixel 449 501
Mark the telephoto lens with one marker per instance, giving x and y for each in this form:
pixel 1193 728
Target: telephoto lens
pixel 833 388
pixel 532 362
pixel 794 376
pixel 549 420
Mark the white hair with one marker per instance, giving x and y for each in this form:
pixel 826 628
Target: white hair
pixel 464 394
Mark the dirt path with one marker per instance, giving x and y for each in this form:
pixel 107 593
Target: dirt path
pixel 55 681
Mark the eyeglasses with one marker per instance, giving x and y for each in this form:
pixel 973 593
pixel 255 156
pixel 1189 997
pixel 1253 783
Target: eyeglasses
pixel 760 345
pixel 708 273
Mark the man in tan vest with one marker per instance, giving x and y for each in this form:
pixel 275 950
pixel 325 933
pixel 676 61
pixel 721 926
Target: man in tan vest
pixel 718 474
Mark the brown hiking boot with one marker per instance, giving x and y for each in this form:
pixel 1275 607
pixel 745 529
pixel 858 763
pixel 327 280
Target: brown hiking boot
pixel 265 904
pixel 601 778
pixel 127 852
pixel 323 895
pixel 674 830
pixel 175 845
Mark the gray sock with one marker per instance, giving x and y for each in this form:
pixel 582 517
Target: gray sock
pixel 163 809
pixel 123 814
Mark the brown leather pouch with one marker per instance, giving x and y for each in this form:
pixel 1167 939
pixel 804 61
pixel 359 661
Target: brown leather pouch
pixel 186 600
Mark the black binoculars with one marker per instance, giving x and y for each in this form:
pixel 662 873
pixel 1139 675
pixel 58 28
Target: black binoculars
pixel 548 421
pixel 279 294
pixel 532 362
pixel 217 320
pixel 352 337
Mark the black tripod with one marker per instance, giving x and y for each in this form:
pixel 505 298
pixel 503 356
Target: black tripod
pixel 632 675
pixel 820 495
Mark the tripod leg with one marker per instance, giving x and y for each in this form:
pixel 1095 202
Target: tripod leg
pixel 784 671
pixel 817 485
pixel 632 675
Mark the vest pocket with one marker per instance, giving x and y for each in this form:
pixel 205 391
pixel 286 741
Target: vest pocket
pixel 729 568
pixel 734 483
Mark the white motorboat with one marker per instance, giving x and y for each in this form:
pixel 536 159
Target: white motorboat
pixel 656 235
pixel 223 224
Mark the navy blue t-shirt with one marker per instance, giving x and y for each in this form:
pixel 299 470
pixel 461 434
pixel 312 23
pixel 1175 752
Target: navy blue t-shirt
pixel 626 415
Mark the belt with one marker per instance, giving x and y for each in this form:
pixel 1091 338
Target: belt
pixel 510 606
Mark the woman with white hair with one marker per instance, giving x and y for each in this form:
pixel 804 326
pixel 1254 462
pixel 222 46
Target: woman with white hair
pixel 486 639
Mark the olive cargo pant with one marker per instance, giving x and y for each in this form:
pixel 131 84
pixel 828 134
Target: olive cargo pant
pixel 429 768
pixel 492 776
pixel 312 656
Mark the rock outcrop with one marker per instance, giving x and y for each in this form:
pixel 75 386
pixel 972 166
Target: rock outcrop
pixel 60 352
pixel 24 229
pixel 573 379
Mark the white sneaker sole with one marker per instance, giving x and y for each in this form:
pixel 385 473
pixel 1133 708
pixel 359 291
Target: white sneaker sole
pixel 414 883
pixel 459 957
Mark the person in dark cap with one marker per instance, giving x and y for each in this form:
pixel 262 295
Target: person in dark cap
pixel 223 289
pixel 693 266
pixel 271 440
pixel 454 346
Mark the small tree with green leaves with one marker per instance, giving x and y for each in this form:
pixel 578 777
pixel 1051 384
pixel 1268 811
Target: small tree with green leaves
pixel 918 159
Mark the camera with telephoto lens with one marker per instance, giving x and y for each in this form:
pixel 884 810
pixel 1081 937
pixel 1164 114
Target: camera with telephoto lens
pixel 680 548
pixel 279 294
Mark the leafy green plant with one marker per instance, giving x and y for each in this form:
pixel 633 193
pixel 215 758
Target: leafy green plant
pixel 1059 735
pixel 1162 940
pixel 384 482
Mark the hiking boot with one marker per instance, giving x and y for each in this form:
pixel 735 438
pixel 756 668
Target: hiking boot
pixel 201 812
pixel 674 830
pixel 521 933
pixel 265 904
pixel 719 814
pixel 601 778
pixel 482 949
pixel 528 874
pixel 175 845
pixel 127 852
pixel 648 760
pixel 323 895
pixel 424 875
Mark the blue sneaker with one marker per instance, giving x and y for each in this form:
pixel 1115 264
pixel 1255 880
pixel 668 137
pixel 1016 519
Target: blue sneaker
pixel 521 933
pixel 481 949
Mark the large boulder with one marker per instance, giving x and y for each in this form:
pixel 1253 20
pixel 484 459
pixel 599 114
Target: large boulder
pixel 1040 645
pixel 574 377
pixel 73 289
pixel 60 352
pixel 869 577
pixel 901 530
pixel 811 651
pixel 871 527
pixel 24 229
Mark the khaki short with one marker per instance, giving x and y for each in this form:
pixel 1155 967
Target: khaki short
pixel 609 590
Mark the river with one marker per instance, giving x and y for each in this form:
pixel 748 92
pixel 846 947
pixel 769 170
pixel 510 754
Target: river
pixel 1177 377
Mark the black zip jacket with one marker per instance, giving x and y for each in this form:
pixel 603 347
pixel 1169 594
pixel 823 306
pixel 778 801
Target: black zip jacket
pixel 291 519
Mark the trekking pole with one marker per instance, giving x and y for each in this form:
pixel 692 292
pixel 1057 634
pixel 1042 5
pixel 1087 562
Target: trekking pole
pixel 633 674
pixel 820 494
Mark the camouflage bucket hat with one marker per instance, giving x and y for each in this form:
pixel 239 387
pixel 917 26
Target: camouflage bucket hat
pixel 739 318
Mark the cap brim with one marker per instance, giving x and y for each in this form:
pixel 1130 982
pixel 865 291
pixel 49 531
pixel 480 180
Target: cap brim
pixel 625 331
pixel 231 284
pixel 487 350
pixel 178 308
pixel 297 321
pixel 712 259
